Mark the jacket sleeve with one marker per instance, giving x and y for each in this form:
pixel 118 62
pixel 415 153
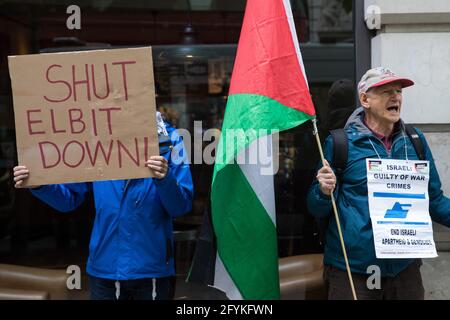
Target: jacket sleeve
pixel 176 189
pixel 62 197
pixel 319 204
pixel 439 203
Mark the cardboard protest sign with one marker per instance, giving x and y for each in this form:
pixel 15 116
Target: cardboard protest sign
pixel 84 116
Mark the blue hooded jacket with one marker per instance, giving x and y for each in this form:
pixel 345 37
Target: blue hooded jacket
pixel 352 200
pixel 132 236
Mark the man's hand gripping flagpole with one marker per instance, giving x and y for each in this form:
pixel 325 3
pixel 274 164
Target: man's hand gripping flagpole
pixel 316 133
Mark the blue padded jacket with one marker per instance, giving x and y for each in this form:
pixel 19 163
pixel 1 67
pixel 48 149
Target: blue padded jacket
pixel 132 236
pixel 352 200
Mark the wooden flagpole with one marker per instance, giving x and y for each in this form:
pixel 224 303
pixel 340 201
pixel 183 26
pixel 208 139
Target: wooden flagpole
pixel 333 201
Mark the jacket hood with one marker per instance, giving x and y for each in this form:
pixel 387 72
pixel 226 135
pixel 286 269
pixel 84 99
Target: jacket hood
pixel 355 123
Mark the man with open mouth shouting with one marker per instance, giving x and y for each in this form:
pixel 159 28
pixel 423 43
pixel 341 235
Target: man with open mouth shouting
pixel 387 191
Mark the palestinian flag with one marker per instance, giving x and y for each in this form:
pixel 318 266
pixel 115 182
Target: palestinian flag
pixel 268 94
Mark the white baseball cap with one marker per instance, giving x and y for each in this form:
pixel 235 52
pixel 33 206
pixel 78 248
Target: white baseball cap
pixel 380 76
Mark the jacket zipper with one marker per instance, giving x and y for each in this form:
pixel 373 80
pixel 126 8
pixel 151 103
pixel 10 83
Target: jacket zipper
pixel 389 153
pixel 120 213
pixel 125 189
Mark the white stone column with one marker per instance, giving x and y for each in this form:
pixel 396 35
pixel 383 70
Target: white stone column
pixel 413 39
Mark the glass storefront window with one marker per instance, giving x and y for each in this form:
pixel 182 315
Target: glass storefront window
pixel 191 90
pixel 192 87
pixel 192 76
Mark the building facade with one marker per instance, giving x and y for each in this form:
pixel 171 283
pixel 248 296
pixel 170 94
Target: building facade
pixel 194 44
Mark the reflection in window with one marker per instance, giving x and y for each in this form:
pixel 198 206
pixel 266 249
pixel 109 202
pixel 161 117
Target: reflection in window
pixel 192 83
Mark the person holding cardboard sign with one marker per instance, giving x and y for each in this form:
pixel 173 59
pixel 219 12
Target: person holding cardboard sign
pixel 131 247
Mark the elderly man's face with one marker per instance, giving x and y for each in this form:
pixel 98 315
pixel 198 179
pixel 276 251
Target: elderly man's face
pixel 383 103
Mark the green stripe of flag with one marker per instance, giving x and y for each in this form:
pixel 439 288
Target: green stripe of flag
pixel 240 221
pixel 246 235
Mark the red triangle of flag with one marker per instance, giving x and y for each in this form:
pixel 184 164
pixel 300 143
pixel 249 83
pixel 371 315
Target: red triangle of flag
pixel 266 60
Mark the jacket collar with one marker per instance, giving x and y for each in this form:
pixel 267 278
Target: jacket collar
pixel 359 130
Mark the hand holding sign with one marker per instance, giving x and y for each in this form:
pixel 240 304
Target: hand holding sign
pixel 159 165
pixel 20 175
